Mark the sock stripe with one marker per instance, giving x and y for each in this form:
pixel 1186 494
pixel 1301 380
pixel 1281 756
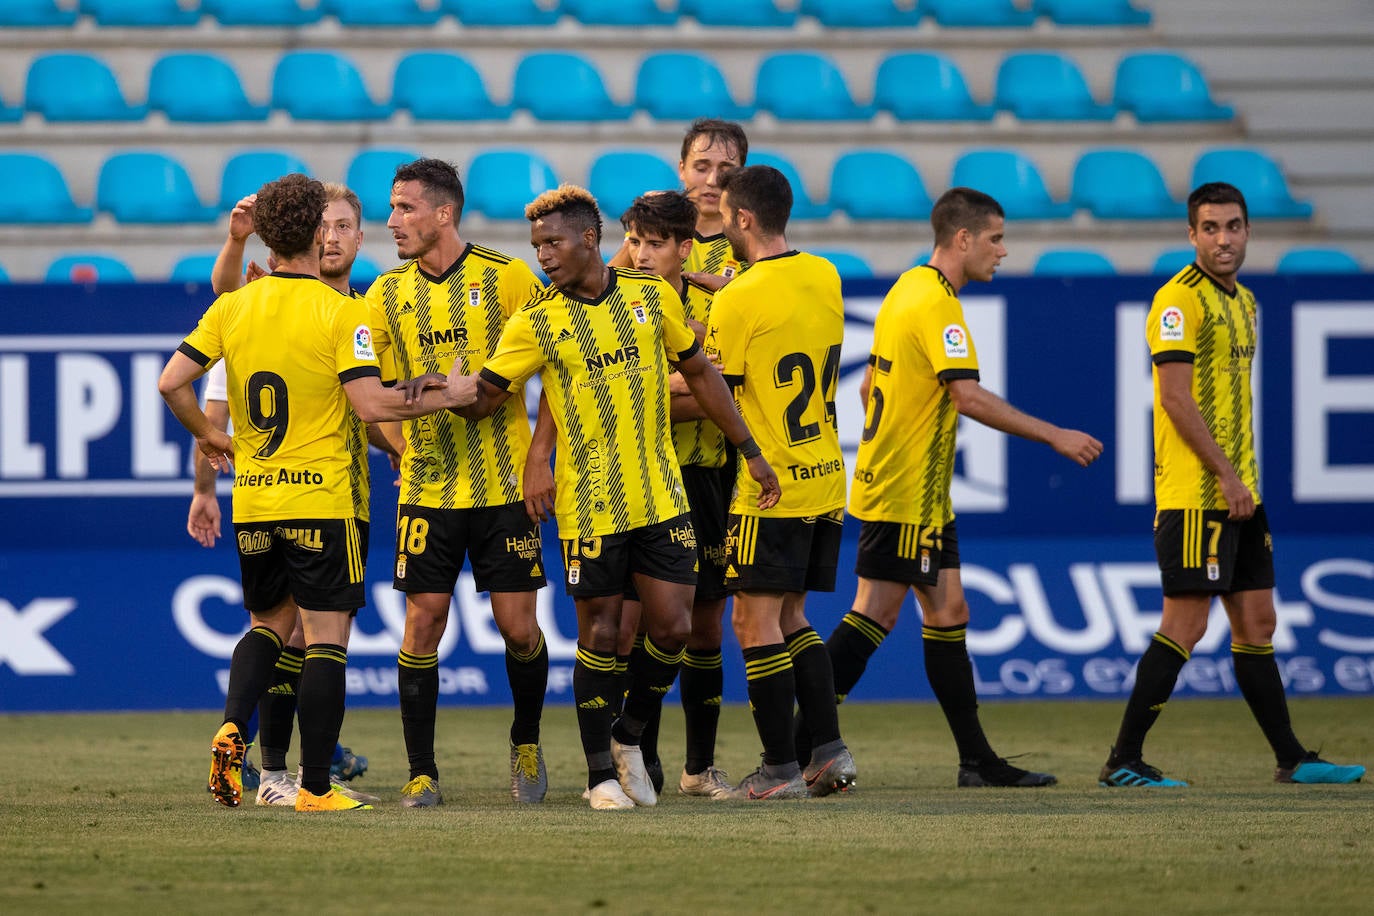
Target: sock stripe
pixel 874 633
pixel 944 634
pixel 1166 641
pixel 622 664
pixel 763 667
pixel 418 662
pixel 289 662
pixel 331 653
pixel 658 655
pixel 803 640
pixel 526 658
pixel 702 661
pixel 595 661
pixel 267 631
pixel 1240 648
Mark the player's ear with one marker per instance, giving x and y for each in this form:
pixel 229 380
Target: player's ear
pixel 684 248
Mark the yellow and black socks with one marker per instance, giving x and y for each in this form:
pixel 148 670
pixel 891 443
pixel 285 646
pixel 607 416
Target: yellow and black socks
pixel 1257 675
pixel 277 709
pixel 850 646
pixel 772 688
pixel 250 671
pixel 1155 676
pixel 702 682
pixel 594 687
pixel 417 680
pixel 528 674
pixel 652 672
pixel 815 685
pixel 951 679
pixel 321 709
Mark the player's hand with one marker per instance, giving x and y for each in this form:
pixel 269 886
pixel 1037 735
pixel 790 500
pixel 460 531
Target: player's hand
pixel 1239 500
pixel 414 388
pixel 762 472
pixel 713 282
pixel 1078 447
pixel 461 389
pixel 241 218
pixel 202 523
pixel 218 448
pixel 539 490
pixel 254 271
pixel 677 385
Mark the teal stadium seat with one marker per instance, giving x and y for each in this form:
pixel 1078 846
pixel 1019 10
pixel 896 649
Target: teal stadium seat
pixel 848 264
pixel 32 190
pixel 88 268
pixel 1164 86
pixel 371 175
pixel 193 268
pixel 500 12
pixel 805 86
pixel 323 86
pixel 140 13
pixel 618 177
pixel 383 13
pixel 861 14
pixel 438 86
pixel 1046 86
pixel 287 13
pixel 200 88
pixel 925 86
pixel 4 277
pixel 874 184
pixel 10 113
pixel 77 87
pixel 745 14
pixel 635 13
pixel 1093 12
pixel 1073 262
pixel 1122 184
pixel 683 85
pixel 365 272
pixel 803 205
pixel 1317 261
pixel 148 187
pixel 1173 260
pixel 501 182
pixel 581 94
pixel 1013 180
pixel 1259 178
pixel 37 14
pixel 246 172
pixel 997 14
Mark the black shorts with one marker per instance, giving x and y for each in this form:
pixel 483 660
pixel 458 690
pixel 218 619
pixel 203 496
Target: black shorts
pixel 910 554
pixel 1201 550
pixel 783 554
pixel 500 542
pixel 705 489
pixel 319 562
pixel 598 566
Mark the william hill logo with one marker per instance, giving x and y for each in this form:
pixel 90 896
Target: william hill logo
pixel 624 355
pixel 444 336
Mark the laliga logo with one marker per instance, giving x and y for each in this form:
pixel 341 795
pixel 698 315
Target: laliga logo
pixel 954 336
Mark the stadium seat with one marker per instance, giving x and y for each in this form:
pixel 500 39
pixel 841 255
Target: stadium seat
pixel 245 173
pixel 1073 262
pixel 365 271
pixel 1163 86
pixel 32 190
pixel 1259 179
pixel 805 86
pixel 861 14
pixel 501 182
pixel 88 268
pixel 847 263
pixel 580 95
pixel 193 268
pixel 1092 12
pixel 1011 178
pixel 682 85
pixel 1046 86
pixel 438 86
pixel 41 14
pixel 754 14
pixel 500 12
pixel 872 184
pixel 619 12
pixel 77 87
pixel 371 175
pixel 1122 184
pixel 200 88
pixel 978 13
pixel 618 177
pixel 140 187
pixel 1317 261
pixel 323 86
pixel 140 13
pixel 260 12
pixel 803 206
pixel 10 113
pixel 1173 260
pixel 4 277
pixel 369 13
pixel 925 86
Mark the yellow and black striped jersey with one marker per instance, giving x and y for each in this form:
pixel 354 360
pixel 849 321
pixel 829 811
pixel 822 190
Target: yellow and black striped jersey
pixel 906 455
pixel 777 329
pixel 425 324
pixel 712 254
pixel 1195 320
pixel 289 342
pixel 698 442
pixel 604 365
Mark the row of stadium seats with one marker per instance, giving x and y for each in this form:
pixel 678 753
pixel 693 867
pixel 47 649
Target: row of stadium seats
pixel 631 13
pixel 868 184
pixel 1151 86
pixel 196 268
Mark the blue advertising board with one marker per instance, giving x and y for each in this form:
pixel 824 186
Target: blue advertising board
pixel 106 603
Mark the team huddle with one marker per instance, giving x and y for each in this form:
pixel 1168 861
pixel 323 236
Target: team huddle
pixel 688 405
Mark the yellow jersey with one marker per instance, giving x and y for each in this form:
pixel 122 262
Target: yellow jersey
pixel 698 442
pixel 712 254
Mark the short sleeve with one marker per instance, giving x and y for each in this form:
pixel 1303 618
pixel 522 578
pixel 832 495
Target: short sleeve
pixel 205 344
pixel 518 286
pixel 678 337
pixel 728 323
pixel 945 338
pixel 381 333
pixel 518 354
pixel 1172 326
pixel 354 356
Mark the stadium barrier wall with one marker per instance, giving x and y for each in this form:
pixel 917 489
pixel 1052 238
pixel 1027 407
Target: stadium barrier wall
pixel 106 603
